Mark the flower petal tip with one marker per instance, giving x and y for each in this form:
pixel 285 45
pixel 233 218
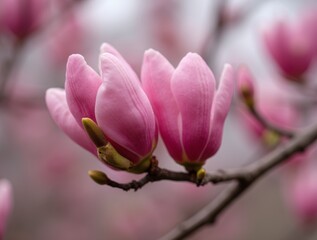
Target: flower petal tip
pixel 54 93
pixel 106 47
pixel 75 58
pixel 106 57
pixel 150 52
pixel 74 63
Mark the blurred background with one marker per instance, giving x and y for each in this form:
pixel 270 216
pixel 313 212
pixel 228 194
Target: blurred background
pixel 53 197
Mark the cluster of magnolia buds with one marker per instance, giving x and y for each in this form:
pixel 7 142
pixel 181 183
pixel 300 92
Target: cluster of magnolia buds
pixel 118 118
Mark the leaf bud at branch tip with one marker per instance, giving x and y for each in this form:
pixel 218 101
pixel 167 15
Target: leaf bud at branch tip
pixel 109 154
pixel 200 175
pixel 94 131
pixel 271 138
pixel 98 177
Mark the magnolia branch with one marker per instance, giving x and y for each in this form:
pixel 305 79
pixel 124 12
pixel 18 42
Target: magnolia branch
pixel 252 172
pixel 269 125
pixel 156 173
pixel 243 178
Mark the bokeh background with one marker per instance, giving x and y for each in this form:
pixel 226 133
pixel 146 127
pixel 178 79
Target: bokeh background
pixel 53 196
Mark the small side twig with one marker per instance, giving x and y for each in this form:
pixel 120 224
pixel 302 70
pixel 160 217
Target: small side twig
pixel 269 125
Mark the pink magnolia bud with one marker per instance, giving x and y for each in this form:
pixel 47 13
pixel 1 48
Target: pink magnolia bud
pixel 303 195
pixel 22 17
pixel 274 106
pixel 114 100
pixel 5 204
pixel 189 110
pixel 245 85
pixel 291 49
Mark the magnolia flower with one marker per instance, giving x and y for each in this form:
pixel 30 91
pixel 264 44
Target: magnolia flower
pixel 302 195
pixel 189 110
pixel 5 204
pixel 113 107
pixel 22 17
pixel 291 48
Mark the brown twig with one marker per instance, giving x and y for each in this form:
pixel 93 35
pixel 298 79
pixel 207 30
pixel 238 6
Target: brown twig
pixel 158 174
pixel 268 125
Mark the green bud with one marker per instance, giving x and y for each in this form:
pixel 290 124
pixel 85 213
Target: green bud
pixel 109 155
pixel 142 167
pixel 270 138
pixel 98 176
pixel 94 132
pixel 200 174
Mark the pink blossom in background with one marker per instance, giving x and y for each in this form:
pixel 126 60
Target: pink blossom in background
pixel 63 44
pixel 141 219
pixel 274 106
pixel 5 205
pixel 309 23
pixel 165 28
pixel 245 82
pixel 114 99
pixel 151 213
pixel 302 194
pixel 290 47
pixel 22 17
pixel 189 109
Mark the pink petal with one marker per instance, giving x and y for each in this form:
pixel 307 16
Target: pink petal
pixel 123 111
pixel 107 48
pixel 5 204
pixel 81 86
pixel 220 109
pixel 57 106
pixel 193 86
pixel 156 79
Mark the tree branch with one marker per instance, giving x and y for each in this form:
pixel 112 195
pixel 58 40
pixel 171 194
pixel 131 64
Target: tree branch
pixel 156 174
pixel 254 171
